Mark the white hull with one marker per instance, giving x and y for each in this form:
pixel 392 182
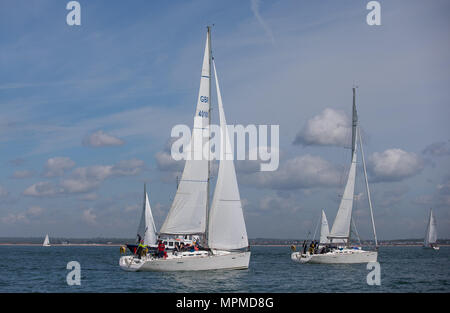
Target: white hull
pixel 346 256
pixel 232 260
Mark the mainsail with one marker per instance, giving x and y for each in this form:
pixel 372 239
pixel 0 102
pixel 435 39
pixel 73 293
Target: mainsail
pixel 340 232
pixel 324 230
pixel 226 228
pixel 188 212
pixel 431 234
pixel 147 228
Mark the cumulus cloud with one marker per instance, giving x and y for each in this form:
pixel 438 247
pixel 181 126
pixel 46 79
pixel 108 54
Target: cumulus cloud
pixel 441 148
pixel 42 189
pixel 23 217
pixel 86 179
pixel 101 139
pixel 57 166
pixel 164 160
pixel 301 172
pixel 328 128
pixel 276 203
pixel 394 165
pixel 89 217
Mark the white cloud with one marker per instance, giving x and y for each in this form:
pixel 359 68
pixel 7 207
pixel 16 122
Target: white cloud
pixel 165 162
pixel 101 139
pixel 42 189
pixel 57 166
pixel 89 217
pixel 394 165
pixel 23 217
pixel 86 179
pixel 298 173
pixel 276 203
pixel 328 128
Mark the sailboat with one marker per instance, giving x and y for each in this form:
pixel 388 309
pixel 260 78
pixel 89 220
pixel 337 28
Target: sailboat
pixel 338 250
pixel 431 233
pixel 46 242
pixel 146 230
pixel 219 227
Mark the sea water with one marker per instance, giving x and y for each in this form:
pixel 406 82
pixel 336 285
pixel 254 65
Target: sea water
pixel 44 269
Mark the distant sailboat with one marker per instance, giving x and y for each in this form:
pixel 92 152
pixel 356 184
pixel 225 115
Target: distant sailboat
pixel 219 227
pixel 431 233
pixel 46 241
pixel 338 248
pixel 146 230
pixel 324 231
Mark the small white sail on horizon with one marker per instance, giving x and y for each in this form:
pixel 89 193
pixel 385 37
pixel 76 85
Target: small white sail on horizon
pixel 431 232
pixel 46 242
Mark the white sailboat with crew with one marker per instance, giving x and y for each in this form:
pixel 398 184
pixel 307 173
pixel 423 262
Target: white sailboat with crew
pixel 431 233
pixel 219 229
pixel 338 249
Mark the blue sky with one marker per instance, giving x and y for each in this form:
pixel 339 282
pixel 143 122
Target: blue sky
pixel 86 111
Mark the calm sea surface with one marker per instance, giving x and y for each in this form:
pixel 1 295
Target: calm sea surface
pixel 43 269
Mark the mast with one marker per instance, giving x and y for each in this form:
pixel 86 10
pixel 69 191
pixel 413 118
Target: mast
pixel 354 121
pixel 209 138
pixel 340 231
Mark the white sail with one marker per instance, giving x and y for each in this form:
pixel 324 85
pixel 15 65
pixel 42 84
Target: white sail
pixel 340 231
pixel 431 234
pixel 187 214
pixel 46 241
pixel 147 228
pixel 324 230
pixel 226 220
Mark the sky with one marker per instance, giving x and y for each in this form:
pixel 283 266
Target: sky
pixel 86 111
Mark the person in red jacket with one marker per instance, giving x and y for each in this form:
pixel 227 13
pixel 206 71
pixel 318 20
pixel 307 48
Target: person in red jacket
pixel 161 249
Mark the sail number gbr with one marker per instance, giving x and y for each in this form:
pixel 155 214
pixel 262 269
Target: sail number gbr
pixel 204 99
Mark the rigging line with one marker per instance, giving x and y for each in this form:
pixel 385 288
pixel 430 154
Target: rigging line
pixel 367 188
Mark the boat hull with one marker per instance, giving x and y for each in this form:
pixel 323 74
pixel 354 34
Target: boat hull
pixel 234 260
pixel 341 257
